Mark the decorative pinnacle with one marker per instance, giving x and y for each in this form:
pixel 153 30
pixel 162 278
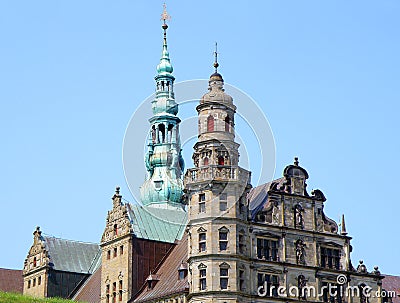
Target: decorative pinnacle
pixel 164 17
pixel 343 231
pixel 296 161
pixel 216 57
pixel 117 189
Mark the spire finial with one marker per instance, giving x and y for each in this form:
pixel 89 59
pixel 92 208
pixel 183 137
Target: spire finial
pixel 164 17
pixel 216 57
pixel 296 161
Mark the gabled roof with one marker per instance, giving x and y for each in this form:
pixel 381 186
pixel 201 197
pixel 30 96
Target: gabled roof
pixel 167 273
pixel 392 283
pixel 90 291
pixel 158 224
pixel 11 280
pixel 72 256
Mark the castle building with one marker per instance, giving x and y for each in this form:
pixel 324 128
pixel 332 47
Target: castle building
pixel 206 235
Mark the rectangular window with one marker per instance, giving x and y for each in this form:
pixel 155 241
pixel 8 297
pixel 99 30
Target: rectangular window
pixel 223 240
pixel 120 295
pixel 29 284
pixel 39 281
pixel 34 282
pixel 241 280
pixel 203 279
pixel 241 243
pixel 270 282
pixel 121 250
pixel 202 242
pixel 223 202
pixel 330 258
pixel 267 249
pixel 115 252
pixel 108 255
pixel 223 280
pixel 202 203
pixel 241 205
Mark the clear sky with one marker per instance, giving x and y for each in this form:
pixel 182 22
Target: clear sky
pixel 325 73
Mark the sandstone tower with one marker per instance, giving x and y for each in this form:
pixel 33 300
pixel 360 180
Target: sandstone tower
pixel 217 188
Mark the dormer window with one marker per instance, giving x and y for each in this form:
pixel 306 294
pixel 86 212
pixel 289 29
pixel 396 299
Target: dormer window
pixel 182 271
pixel 151 281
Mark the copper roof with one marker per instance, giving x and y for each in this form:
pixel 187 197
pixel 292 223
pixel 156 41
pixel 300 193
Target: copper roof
pixel 392 283
pixel 167 272
pixel 11 280
pixel 72 256
pixel 90 291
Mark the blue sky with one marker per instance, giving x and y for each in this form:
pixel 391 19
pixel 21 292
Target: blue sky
pixel 325 73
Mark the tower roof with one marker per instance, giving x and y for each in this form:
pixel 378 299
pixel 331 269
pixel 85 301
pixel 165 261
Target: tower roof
pixel 164 68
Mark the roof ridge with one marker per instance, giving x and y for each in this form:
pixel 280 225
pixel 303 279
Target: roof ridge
pixel 69 240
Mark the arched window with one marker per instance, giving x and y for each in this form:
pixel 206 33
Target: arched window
pixel 227 123
pixel 34 262
pixel 115 230
pixel 205 161
pixel 221 160
pixel 161 128
pixel 153 134
pixel 210 123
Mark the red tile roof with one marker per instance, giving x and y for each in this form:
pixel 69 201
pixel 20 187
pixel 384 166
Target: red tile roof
pixel 90 291
pixel 11 280
pixel 392 283
pixel 167 273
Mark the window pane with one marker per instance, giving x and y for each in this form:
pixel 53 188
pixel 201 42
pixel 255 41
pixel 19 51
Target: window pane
pixel 224 283
pixel 223 235
pixel 223 245
pixel 223 272
pixel 223 206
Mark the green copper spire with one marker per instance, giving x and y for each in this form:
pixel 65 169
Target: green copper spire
pixel 164 162
pixel 165 67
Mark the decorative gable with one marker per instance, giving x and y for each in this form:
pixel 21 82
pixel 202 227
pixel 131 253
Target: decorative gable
pixel 118 223
pixel 38 256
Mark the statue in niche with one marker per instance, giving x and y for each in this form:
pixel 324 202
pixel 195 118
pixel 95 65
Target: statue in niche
pixel 301 283
pixel 298 217
pixel 275 215
pixel 300 252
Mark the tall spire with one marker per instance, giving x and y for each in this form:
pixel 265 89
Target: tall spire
pixel 164 161
pixel 165 66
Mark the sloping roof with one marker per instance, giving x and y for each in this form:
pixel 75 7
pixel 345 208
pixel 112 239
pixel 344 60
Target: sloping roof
pixel 90 291
pixel 11 280
pixel 392 283
pixel 158 224
pixel 72 256
pixel 167 273
pixel 258 196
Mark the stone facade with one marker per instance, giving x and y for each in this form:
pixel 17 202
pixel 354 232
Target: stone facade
pixel 116 254
pixel 36 268
pixel 242 244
